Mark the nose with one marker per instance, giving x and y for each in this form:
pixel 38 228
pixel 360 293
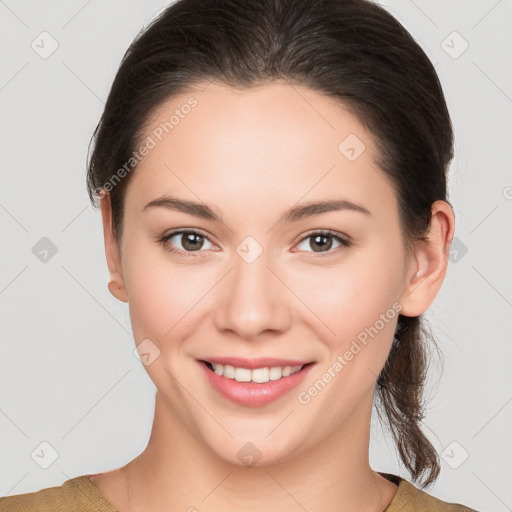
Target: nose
pixel 253 300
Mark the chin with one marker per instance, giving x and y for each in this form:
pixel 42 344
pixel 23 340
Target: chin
pixel 248 451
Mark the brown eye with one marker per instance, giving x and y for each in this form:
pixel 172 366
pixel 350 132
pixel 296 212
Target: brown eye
pixel 322 241
pixel 185 242
pixel 191 241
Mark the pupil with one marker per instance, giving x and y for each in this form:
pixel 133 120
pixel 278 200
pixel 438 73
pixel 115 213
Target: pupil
pixel 189 239
pixel 318 239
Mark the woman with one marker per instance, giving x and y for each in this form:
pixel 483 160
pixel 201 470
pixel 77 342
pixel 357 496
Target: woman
pixel 272 184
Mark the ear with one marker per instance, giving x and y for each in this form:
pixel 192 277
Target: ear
pixel 428 265
pixel 116 283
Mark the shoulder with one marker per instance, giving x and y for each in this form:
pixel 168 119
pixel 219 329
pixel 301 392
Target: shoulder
pixel 409 498
pixel 78 494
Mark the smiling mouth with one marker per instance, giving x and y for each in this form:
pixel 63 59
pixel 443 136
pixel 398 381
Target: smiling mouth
pixel 256 375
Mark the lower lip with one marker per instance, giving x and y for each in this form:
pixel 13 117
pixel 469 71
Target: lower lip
pixel 253 394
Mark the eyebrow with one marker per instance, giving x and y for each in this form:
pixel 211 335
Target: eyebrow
pixel 294 214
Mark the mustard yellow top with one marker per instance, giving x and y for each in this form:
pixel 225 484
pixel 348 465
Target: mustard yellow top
pixel 79 494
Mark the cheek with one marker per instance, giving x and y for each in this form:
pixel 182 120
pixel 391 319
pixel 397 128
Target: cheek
pixel 359 304
pixel 355 298
pixel 161 294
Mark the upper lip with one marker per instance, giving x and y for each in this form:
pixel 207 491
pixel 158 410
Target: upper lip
pixel 256 362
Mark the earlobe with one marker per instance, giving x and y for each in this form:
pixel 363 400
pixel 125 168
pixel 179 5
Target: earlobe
pixel 117 290
pixel 428 266
pixel 116 283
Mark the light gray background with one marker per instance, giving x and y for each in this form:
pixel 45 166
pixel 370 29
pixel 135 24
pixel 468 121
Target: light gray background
pixel 68 376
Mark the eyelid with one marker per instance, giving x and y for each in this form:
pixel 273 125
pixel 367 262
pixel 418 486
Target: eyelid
pixel 331 232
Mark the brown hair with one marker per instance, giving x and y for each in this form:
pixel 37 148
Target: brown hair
pixel 351 50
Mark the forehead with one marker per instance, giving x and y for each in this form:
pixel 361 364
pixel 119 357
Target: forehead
pixel 277 142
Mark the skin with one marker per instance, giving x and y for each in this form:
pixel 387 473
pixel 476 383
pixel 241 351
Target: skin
pixel 251 155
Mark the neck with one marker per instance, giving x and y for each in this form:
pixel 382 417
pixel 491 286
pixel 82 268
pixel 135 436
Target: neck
pixel 177 472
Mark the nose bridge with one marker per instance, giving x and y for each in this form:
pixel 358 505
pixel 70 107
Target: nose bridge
pixel 253 300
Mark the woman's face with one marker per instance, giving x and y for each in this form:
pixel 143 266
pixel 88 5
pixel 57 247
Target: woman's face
pixel 256 282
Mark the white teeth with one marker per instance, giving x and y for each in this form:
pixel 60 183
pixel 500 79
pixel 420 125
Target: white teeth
pixel 228 371
pixel 275 373
pixel 242 374
pixel 260 375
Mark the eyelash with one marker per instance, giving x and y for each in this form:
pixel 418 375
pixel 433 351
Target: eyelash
pixel 324 232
